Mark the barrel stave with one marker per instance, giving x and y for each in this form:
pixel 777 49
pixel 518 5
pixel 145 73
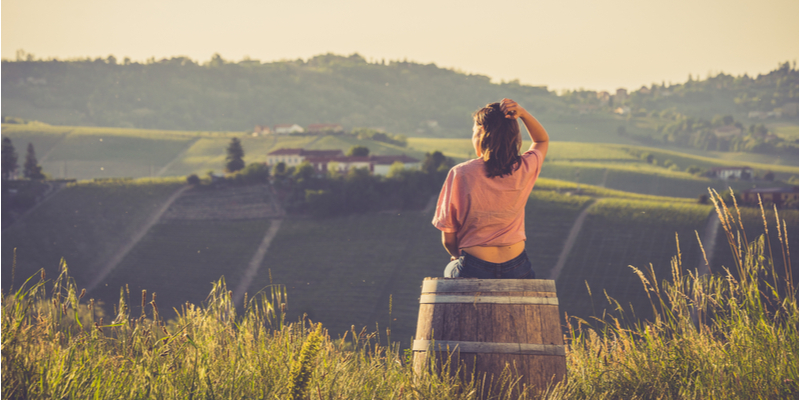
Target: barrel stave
pixel 504 321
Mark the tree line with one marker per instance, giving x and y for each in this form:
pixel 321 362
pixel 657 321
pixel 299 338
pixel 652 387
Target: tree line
pixel 304 190
pixel 30 170
pixel 223 95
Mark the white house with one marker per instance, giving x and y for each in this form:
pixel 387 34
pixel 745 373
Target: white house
pixel 727 131
pixel 293 157
pixel 335 160
pixel 731 172
pixel 285 129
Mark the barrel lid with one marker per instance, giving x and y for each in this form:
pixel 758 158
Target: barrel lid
pixel 430 285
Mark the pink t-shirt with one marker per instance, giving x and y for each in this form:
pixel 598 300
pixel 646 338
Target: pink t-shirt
pixel 485 211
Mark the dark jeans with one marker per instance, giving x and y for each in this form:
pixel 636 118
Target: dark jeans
pixel 468 266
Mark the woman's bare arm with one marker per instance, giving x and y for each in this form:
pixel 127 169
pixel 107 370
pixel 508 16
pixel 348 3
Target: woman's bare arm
pixel 538 134
pixel 450 242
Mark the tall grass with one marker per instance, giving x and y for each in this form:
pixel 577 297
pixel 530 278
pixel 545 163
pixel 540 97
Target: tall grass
pixel 728 335
pixel 732 334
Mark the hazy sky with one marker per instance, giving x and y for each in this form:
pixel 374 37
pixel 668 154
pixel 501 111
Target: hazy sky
pixel 600 44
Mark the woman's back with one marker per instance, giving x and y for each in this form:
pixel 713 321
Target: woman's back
pixel 485 211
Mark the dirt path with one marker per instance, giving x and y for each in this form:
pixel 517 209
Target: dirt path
pixel 51 191
pixel 130 243
pixel 255 262
pixel 177 157
pixel 47 155
pixel 570 242
pixel 709 243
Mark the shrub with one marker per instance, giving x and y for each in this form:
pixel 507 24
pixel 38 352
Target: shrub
pixel 193 179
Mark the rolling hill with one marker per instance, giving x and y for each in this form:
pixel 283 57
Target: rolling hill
pixel 342 271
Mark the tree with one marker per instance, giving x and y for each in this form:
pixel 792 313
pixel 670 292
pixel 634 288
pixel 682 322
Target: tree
pixel 433 161
pixel 358 151
pixel 32 169
pixel 234 161
pixel 9 159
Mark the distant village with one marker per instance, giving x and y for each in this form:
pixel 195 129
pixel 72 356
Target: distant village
pixel 289 129
pixel 324 161
pixel 335 161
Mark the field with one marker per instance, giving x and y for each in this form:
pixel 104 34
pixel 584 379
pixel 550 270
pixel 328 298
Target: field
pixel 90 152
pixel 341 271
pixel 85 223
pixel 753 229
pixel 179 260
pixel 85 153
pixel 56 345
pixel 622 232
pixel 621 167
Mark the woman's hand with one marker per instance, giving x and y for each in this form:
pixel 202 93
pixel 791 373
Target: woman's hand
pixel 511 109
pixel 538 135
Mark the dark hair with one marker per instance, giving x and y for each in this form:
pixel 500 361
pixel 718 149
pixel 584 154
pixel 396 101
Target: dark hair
pixel 500 142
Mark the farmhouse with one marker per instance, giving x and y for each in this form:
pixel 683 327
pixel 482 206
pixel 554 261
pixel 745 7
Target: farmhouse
pixel 728 131
pixel 261 130
pixel 293 157
pixel 335 160
pixel 731 172
pixel 780 196
pixel 285 129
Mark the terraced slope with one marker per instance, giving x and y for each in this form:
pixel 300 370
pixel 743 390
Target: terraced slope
pixel 341 271
pixel 619 233
pixel 85 223
pixel 178 260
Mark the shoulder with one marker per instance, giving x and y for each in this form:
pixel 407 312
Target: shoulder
pixel 532 160
pixel 533 155
pixel 467 167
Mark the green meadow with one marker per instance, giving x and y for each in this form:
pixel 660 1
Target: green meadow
pixel 343 271
pixel 89 152
pixel 718 336
pixel 85 223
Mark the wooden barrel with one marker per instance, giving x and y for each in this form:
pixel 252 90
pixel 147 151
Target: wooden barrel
pixel 487 325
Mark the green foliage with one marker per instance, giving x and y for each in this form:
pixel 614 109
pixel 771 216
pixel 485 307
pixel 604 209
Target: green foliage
pixel 193 179
pixel 694 170
pixel 687 350
pixel 9 159
pixel 731 334
pixel 179 93
pixel 31 169
pixel 85 223
pixel 379 136
pixel 234 160
pixel 436 161
pixel 358 151
pixel 254 173
pixel 300 373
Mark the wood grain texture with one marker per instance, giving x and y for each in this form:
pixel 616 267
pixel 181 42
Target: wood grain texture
pixel 514 325
pixel 431 298
pixel 438 285
pixel 484 347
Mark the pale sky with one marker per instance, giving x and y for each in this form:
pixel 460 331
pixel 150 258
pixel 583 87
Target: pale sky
pixel 599 45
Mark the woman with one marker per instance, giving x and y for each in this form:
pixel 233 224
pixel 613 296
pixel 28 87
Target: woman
pixel 481 208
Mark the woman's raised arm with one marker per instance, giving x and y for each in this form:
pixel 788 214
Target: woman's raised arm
pixel 538 134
